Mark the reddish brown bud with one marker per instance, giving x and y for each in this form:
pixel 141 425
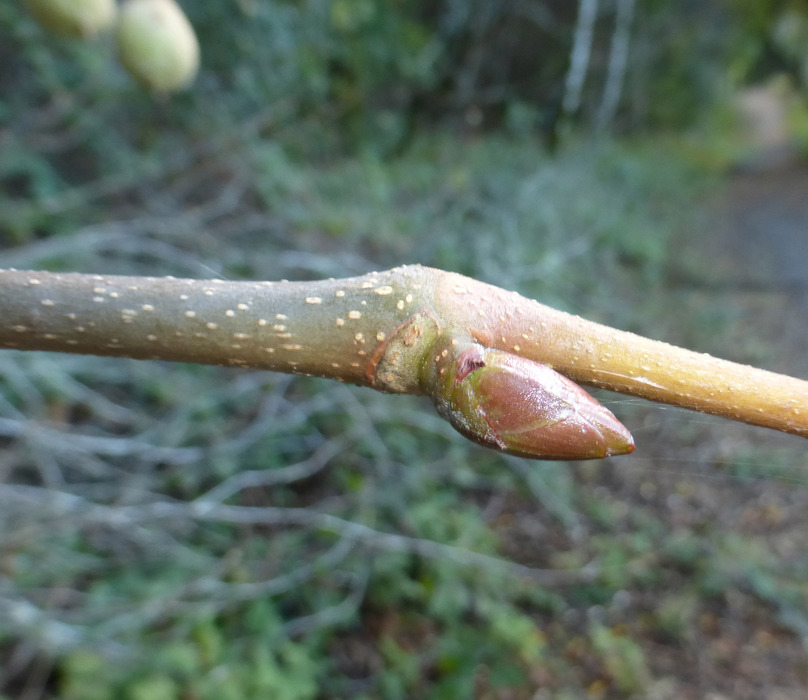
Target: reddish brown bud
pixel 525 408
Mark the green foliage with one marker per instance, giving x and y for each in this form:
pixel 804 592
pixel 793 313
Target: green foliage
pixel 424 627
pixel 769 39
pixel 208 666
pixel 622 658
pixel 278 163
pixel 382 68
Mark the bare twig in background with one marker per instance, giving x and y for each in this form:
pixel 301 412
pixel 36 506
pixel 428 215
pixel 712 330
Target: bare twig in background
pixel 579 55
pixel 63 504
pixel 618 60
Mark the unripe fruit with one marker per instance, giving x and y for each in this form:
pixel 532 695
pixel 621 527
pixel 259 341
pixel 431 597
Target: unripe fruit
pixel 74 19
pixel 157 44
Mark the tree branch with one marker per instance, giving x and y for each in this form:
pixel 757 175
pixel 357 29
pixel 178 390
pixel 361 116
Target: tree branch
pixel 471 346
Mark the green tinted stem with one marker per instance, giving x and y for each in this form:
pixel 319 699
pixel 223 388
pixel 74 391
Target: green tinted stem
pixel 330 328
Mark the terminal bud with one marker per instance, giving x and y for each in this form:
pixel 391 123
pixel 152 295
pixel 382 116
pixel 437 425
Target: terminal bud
pixel 522 407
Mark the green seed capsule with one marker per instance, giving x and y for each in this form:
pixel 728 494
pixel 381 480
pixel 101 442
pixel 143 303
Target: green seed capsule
pixel 74 19
pixel 157 44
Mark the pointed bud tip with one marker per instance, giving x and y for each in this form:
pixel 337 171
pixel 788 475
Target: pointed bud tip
pixel 609 437
pixel 619 440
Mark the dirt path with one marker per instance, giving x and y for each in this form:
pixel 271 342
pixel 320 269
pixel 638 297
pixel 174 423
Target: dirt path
pixel 760 245
pixel 753 252
pixel 745 298
pixel 769 212
pixel 766 205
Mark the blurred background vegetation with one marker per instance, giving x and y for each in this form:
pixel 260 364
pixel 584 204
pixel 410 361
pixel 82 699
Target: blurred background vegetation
pixel 603 169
